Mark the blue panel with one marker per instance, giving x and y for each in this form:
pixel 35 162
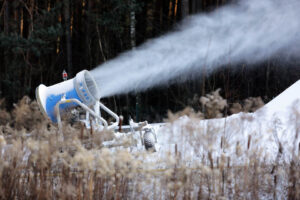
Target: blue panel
pixel 52 100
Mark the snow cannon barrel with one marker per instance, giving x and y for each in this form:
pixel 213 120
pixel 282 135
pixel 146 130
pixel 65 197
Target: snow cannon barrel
pixel 82 87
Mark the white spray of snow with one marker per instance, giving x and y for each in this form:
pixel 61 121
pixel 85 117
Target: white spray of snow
pixel 248 31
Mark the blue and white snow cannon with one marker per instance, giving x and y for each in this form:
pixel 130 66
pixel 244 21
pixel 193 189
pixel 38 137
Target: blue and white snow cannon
pixel 81 91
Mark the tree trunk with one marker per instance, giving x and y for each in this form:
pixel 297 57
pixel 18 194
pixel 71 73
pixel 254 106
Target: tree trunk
pixel 6 31
pixel 165 18
pixel 157 17
pixel 87 34
pixel 174 7
pixel 29 65
pixel 6 17
pixel 194 6
pixel 184 8
pixel 68 35
pixel 133 45
pixel 267 78
pixel 132 29
pixel 198 6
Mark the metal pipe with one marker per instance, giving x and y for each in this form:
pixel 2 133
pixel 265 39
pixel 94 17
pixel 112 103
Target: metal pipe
pixel 80 104
pixel 114 115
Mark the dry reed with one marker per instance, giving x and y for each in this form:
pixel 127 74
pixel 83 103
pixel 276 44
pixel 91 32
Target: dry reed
pixel 35 164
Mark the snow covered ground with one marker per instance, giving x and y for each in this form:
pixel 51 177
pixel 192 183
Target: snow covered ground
pixel 271 134
pixel 272 128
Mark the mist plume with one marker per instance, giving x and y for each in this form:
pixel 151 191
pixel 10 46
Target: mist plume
pixel 247 31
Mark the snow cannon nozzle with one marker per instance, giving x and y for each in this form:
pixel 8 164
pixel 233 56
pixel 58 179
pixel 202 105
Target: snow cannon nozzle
pixel 82 89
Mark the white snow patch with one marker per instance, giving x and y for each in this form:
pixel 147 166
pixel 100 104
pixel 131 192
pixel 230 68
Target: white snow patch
pixel 258 133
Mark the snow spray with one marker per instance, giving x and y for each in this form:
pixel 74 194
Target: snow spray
pixel 247 31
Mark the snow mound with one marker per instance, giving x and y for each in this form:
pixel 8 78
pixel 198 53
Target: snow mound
pixel 271 133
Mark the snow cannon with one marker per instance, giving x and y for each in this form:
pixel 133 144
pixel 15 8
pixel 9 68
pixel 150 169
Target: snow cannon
pixel 81 90
pixel 82 87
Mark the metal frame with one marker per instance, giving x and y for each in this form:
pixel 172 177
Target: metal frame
pixel 95 113
pixel 99 122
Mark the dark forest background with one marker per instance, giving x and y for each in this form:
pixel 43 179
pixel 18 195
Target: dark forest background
pixel 41 38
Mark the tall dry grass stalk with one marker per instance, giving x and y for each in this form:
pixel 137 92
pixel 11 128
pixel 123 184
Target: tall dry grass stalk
pixel 35 164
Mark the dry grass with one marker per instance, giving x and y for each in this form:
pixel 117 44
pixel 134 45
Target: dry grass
pixel 35 164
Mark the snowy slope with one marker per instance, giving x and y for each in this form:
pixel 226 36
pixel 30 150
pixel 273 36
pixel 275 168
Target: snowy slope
pixel 281 105
pixel 260 133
